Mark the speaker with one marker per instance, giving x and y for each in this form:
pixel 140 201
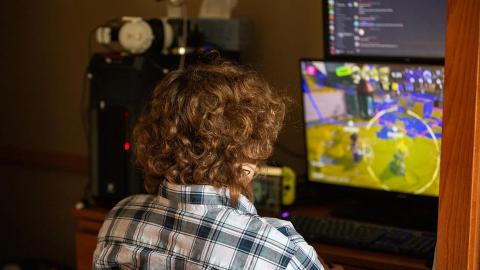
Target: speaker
pixel 120 85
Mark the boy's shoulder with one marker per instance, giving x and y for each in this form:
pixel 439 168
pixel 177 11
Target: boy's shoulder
pixel 148 221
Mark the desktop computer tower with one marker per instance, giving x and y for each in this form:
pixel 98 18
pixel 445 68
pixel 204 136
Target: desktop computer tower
pixel 119 88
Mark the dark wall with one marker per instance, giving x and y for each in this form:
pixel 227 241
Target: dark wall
pixel 43 53
pixel 35 210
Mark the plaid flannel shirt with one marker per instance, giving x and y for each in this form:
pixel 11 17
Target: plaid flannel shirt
pixel 194 227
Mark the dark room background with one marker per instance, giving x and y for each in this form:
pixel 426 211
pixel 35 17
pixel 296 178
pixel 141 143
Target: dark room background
pixel 43 55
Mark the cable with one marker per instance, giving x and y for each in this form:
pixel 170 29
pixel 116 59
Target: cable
pixel 84 95
pixel 84 104
pixel 184 38
pixel 84 109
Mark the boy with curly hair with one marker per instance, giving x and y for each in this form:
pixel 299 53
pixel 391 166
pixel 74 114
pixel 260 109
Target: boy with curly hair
pixel 199 143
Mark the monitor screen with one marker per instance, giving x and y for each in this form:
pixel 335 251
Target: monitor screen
pixel 386 28
pixel 374 125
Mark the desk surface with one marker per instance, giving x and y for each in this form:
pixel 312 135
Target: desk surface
pixel 89 221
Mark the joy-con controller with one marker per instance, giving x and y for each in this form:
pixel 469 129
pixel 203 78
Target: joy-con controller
pixel 288 186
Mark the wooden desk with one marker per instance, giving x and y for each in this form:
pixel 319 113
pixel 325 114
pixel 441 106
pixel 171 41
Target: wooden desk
pixel 90 220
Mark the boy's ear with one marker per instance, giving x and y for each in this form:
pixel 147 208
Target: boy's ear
pixel 249 169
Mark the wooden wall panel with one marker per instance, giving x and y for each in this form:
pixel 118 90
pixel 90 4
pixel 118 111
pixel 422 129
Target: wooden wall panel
pixel 458 225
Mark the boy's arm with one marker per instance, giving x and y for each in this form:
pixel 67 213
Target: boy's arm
pixel 305 257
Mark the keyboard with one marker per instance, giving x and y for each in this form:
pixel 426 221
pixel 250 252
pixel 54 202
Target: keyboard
pixel 368 236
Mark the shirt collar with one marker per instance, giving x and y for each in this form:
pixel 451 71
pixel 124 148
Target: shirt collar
pixel 203 195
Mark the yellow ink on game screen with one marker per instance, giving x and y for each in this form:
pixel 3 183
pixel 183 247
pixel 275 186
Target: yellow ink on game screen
pixel 374 126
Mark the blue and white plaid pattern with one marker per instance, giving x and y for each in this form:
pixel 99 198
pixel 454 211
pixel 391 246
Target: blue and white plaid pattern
pixel 193 227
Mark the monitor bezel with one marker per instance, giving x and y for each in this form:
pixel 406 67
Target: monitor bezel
pixel 376 58
pixel 327 190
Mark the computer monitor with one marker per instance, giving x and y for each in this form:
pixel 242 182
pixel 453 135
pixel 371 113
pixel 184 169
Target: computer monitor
pixel 375 126
pixel 385 28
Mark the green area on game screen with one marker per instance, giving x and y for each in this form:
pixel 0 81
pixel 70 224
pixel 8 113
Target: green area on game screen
pixel 374 126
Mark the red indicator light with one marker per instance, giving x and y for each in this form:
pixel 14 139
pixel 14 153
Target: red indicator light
pixel 126 146
pixel 125 114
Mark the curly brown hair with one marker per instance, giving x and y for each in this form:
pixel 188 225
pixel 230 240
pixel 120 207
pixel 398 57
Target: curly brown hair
pixel 203 122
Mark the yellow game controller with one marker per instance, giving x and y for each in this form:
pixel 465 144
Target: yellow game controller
pixel 288 186
pixel 282 179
